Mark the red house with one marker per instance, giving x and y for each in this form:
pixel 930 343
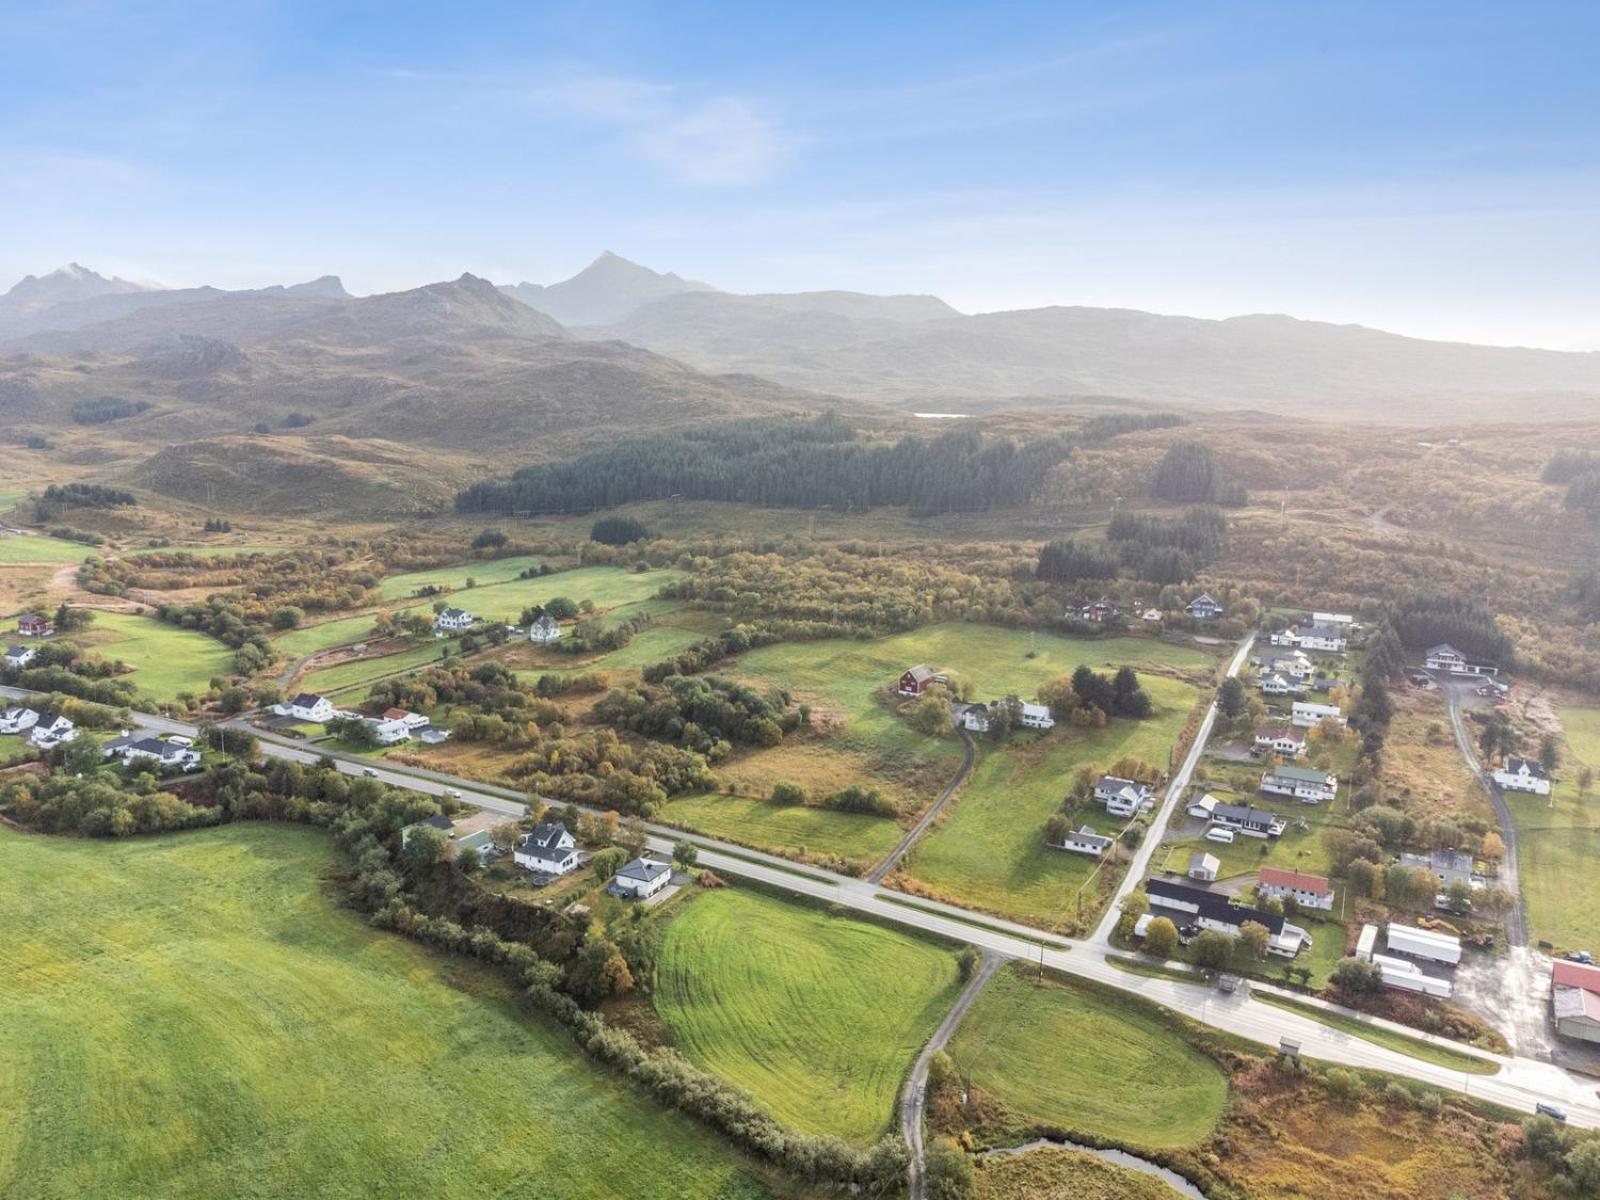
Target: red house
pixel 33 625
pixel 918 679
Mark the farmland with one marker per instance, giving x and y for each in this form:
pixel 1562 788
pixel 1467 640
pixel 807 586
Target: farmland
pixel 191 1017
pixel 1558 844
pixel 818 1016
pixel 365 670
pixel 990 851
pixel 308 639
pixel 166 660
pixel 42 550
pixel 1058 1055
pixel 399 587
pixel 797 830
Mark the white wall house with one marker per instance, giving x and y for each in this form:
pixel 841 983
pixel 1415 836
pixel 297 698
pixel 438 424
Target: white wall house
pixel 1304 784
pixel 1036 716
pixel 544 630
pixel 389 733
pixel 1445 657
pixel 1308 891
pixel 453 620
pixel 1308 714
pixel 1523 775
pixel 548 850
pixel 1203 607
pixel 1122 797
pixel 142 748
pixel 51 729
pixel 641 879
pixel 1273 684
pixel 18 720
pixel 307 706
pixel 20 656
pixel 1280 739
pixel 1086 841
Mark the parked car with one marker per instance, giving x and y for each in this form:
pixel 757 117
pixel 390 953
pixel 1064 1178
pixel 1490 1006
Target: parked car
pixel 1581 956
pixel 1218 834
pixel 177 740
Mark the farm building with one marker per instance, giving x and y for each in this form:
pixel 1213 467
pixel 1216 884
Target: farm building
pixel 1204 867
pixel 33 625
pixel 919 679
pixel 1424 943
pixel 1575 998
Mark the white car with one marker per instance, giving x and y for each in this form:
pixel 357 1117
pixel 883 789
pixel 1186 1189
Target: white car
pixel 453 793
pixel 369 772
pixel 1218 834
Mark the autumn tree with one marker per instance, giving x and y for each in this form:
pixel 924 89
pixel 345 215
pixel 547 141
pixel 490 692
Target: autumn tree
pixel 1161 938
pixel 1254 938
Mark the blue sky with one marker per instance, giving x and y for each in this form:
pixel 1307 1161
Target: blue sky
pixel 1432 168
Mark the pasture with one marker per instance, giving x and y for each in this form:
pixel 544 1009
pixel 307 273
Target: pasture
pixel 366 670
pixel 1558 844
pixel 989 852
pixel 819 1017
pixel 20 549
pixel 454 578
pixel 166 660
pixel 1060 1055
pixel 796 830
pixel 308 639
pixel 191 1017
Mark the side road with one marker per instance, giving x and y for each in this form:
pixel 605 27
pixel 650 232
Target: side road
pixel 968 753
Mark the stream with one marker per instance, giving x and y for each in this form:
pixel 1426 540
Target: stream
pixel 1119 1158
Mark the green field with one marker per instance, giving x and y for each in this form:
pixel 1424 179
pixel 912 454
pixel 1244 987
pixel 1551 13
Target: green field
pixel 366 670
pixel 399 587
pixel 1058 1055
pixel 43 550
pixel 308 639
pixel 166 659
pixel 192 1017
pixel 819 1017
pixel 796 829
pixel 1559 847
pixel 990 851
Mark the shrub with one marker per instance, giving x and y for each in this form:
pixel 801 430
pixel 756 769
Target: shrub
pixel 618 531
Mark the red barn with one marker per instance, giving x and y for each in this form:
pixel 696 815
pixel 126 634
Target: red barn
pixel 32 625
pixel 917 680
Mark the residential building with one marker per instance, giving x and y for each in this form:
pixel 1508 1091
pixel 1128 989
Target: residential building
pixel 1308 891
pixel 482 842
pixel 1122 797
pixel 1204 807
pixel 1273 684
pixel 972 717
pixel 1280 739
pixel 1575 998
pixel 544 630
pixel 51 729
pixel 1448 866
pixel 307 706
pixel 1332 618
pixel 1204 867
pixel 453 620
pixel 1086 841
pixel 33 625
pixel 1252 822
pixel 919 679
pixel 1098 611
pixel 1308 713
pixel 433 735
pixel 1305 784
pixel 1445 657
pixel 142 748
pixel 389 733
pixel 1036 716
pixel 1203 607
pixel 1325 639
pixel 548 850
pixel 1153 615
pixel 641 879
pixel 1292 666
pixel 1213 910
pixel 411 720
pixel 1523 775
pixel 18 720
pixel 20 656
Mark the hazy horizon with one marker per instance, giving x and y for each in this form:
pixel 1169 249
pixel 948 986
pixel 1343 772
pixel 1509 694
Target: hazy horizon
pixel 1422 173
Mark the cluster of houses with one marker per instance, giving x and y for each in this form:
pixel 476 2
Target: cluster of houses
pixel 549 851
pixel 1201 608
pixel 1330 636
pixel 543 630
pixel 391 728
pixel 143 749
pixel 46 730
pixel 1122 799
pixel 977 717
pixel 1193 909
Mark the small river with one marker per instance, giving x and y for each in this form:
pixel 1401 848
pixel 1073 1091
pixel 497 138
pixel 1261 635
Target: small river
pixel 1119 1158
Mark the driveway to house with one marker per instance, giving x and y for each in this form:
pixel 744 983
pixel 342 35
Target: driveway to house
pixel 1158 828
pixel 968 752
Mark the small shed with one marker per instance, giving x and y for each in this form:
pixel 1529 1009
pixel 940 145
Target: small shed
pixel 1204 867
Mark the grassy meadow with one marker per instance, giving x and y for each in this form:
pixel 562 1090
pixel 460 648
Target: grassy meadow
pixel 1059 1055
pixel 308 639
pixel 454 578
pixel 1559 844
pixel 819 1017
pixel 989 851
pixel 165 659
pixel 365 670
pixel 16 549
pixel 796 830
pixel 191 1017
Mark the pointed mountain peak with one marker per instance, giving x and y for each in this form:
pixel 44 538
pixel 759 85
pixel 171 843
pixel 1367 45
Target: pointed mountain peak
pixel 604 292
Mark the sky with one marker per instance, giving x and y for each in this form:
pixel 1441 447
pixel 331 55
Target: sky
pixel 1429 168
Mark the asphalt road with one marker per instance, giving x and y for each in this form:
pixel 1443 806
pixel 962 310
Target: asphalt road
pixel 1520 1084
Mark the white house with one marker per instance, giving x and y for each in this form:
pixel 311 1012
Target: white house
pixel 453 620
pixel 1280 739
pixel 20 656
pixel 139 747
pixel 1203 807
pixel 18 720
pixel 973 717
pixel 1523 775
pixel 1203 607
pixel 307 706
pixel 1445 657
pixel 544 630
pixel 1153 615
pixel 1122 797
pixel 1204 867
pixel 389 733
pixel 1308 714
pixel 1036 716
pixel 1328 639
pixel 641 879
pixel 548 850
pixel 411 720
pixel 1086 841
pixel 51 729
pixel 1304 784
pixel 1295 665
pixel 1308 891
pixel 1273 684
pixel 1332 618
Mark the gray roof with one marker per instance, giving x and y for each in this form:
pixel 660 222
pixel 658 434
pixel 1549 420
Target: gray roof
pixel 1244 814
pixel 1517 765
pixel 546 836
pixel 306 700
pixel 438 821
pixel 643 870
pixel 1213 905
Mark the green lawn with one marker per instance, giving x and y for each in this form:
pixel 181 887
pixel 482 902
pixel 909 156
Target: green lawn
pixel 192 1017
pixel 1417 1048
pixel 1559 847
pixel 365 670
pixel 819 1017
pixel 990 850
pixel 166 659
pixel 308 639
pixel 795 829
pixel 17 549
pixel 1063 1056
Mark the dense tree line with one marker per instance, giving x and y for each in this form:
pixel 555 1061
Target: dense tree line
pixel 106 408
pixel 812 463
pixel 618 531
pixel 310 580
pixel 87 495
pixel 225 618
pixel 1119 695
pixel 1189 473
pixel 1161 550
pixel 698 712
pixel 1427 618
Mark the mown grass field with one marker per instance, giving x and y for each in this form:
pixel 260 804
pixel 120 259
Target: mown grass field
pixel 366 670
pixel 990 851
pixel 399 587
pixel 42 550
pixel 1559 847
pixel 795 830
pixel 819 1017
pixel 190 1017
pixel 1064 1056
pixel 165 659
pixel 308 639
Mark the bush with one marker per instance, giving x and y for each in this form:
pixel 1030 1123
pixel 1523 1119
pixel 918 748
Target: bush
pixel 784 792
pixel 618 531
pixel 1357 975
pixel 1345 1085
pixel 967 962
pixel 608 862
pixel 949 1172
